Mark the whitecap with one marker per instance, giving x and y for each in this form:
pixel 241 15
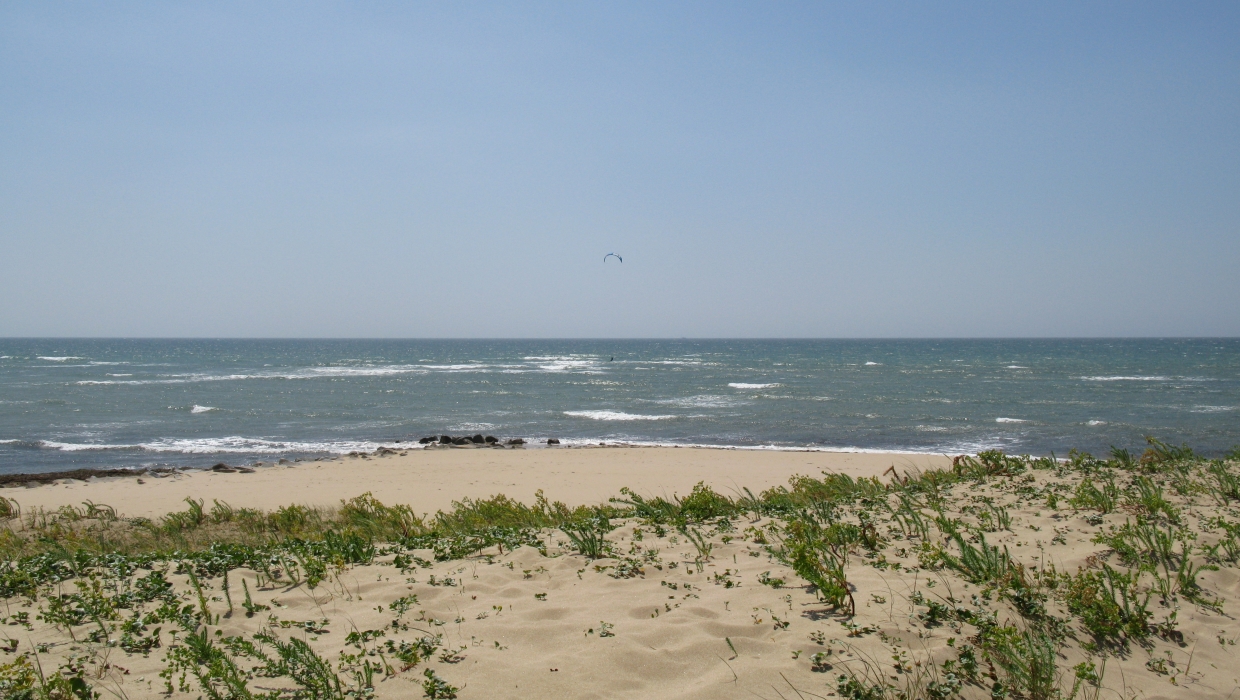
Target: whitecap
pixel 741 385
pixel 1127 379
pixel 472 426
pixel 1212 409
pixel 1016 367
pixel 613 415
pixel 703 401
pixel 1011 420
pixel 231 444
pixel 1095 422
pixel 872 364
pixel 60 359
pixel 202 409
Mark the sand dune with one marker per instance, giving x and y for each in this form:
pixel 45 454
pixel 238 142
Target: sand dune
pixel 708 608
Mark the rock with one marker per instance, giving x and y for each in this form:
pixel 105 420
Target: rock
pixel 223 468
pixel 490 439
pixel 384 451
pixel 427 440
pixel 553 441
pixel 462 441
pixel 285 461
pixel 516 441
pixel 478 439
pixel 446 440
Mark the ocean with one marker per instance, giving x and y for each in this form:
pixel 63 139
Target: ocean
pixel 67 404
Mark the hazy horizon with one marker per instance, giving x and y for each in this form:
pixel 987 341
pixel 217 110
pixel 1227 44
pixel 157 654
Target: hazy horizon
pixel 634 338
pixel 794 170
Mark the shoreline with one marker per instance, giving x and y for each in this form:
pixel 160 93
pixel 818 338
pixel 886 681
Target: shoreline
pixel 432 479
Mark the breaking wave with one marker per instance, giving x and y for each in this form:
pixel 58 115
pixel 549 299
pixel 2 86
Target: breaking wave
pixel 614 415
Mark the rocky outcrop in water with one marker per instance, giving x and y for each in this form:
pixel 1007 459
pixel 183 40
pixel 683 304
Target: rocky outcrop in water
pixel 478 440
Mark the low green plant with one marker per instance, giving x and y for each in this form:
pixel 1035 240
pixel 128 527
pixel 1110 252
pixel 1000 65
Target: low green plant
pixel 9 509
pixel 1109 605
pixel 995 518
pixel 437 688
pixel 701 545
pixel 985 564
pixel 249 605
pixel 589 538
pixel 766 579
pixel 820 559
pixel 217 674
pixel 989 463
pixel 1026 658
pixel 1159 454
pixel 1150 500
pixel 1226 487
pixel 1089 497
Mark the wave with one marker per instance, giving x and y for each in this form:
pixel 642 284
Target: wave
pixel 846 449
pixel 1011 420
pixel 202 409
pixel 703 401
pixel 1095 422
pixel 1016 367
pixel 559 365
pixel 263 446
pixel 1146 378
pixel 1212 409
pixel 872 364
pixel 65 358
pixel 742 385
pixel 613 415
pixel 232 444
pixel 471 426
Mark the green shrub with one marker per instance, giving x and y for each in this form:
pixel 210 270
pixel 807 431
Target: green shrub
pixel 1108 604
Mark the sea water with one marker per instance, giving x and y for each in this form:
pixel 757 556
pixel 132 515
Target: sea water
pixel 68 404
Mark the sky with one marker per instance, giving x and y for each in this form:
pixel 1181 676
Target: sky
pixel 765 169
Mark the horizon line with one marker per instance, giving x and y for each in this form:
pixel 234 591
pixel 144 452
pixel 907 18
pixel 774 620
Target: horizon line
pixel 628 338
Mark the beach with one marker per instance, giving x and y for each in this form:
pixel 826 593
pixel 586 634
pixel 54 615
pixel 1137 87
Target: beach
pixel 716 574
pixel 429 480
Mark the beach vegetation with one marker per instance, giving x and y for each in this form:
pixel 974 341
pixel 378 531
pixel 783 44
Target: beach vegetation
pixel 589 538
pixel 162 587
pixel 1089 496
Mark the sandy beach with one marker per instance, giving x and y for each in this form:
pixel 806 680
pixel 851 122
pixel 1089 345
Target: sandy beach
pixel 430 480
pixel 931 581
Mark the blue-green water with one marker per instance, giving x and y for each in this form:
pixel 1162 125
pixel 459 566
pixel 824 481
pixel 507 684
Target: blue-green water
pixel 107 403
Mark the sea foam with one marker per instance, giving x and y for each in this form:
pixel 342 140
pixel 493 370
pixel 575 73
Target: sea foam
pixel 741 385
pixel 613 415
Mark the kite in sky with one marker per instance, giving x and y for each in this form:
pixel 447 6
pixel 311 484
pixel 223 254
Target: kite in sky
pixel 612 255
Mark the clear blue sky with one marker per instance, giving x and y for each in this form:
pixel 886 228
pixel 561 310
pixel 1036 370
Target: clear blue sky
pixel 765 169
